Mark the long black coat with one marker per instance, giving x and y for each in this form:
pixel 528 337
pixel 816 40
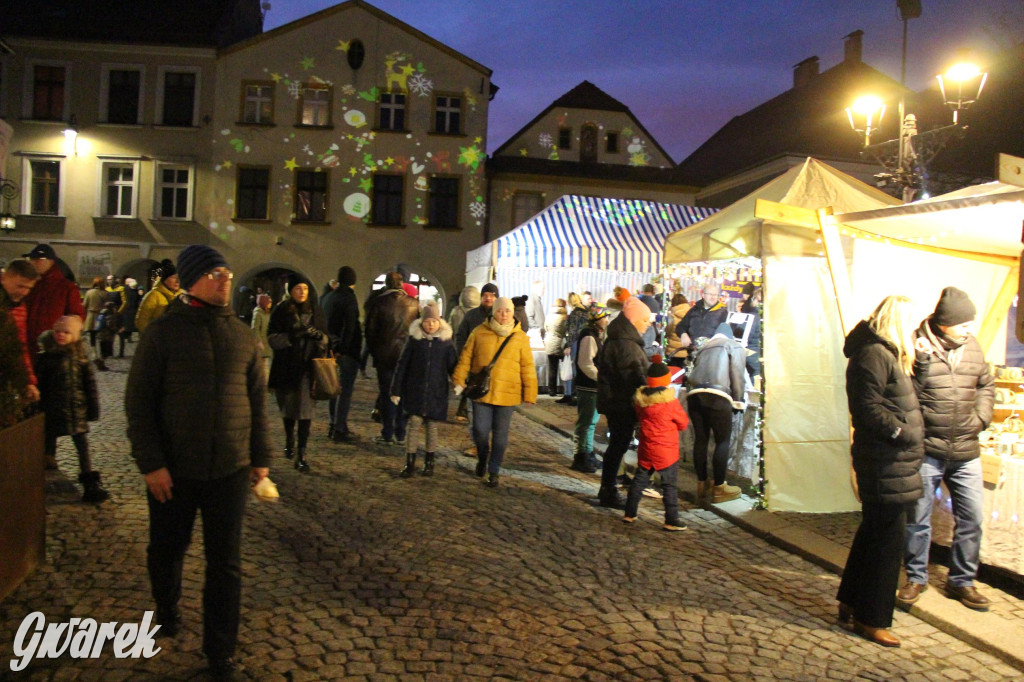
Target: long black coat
pixel 888 428
pixel 957 393
pixel 421 377
pixel 621 367
pixel 293 349
pixel 67 386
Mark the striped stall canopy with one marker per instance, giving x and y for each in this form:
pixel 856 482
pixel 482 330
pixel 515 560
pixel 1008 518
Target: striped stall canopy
pixel 626 235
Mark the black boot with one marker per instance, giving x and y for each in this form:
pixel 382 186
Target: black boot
pixel 492 481
pixel 169 620
pixel 481 466
pixel 94 493
pixel 593 461
pixel 581 462
pixel 300 461
pixel 610 497
pixel 428 464
pixel 289 445
pixel 330 431
pixel 410 465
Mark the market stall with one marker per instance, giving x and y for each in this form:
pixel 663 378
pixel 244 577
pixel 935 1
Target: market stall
pixel 831 248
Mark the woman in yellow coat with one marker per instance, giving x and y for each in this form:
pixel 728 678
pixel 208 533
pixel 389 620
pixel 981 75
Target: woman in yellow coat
pixel 156 300
pixel 513 381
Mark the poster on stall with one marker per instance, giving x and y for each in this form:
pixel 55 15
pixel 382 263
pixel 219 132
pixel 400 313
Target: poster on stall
pixel 94 264
pixel 734 287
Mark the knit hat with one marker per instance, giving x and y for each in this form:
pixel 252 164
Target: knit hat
pixel 196 260
pixel 503 302
pixel 954 307
pixel 167 268
pixel 129 282
pixel 489 288
pixel 658 373
pixel 596 312
pixel 346 276
pixel 429 312
pixel 635 310
pixel 622 294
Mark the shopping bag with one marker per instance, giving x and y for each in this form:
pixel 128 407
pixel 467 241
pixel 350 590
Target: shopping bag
pixel 325 384
pixel 565 369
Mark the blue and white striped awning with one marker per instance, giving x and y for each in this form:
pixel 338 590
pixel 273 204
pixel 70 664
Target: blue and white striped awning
pixel 592 232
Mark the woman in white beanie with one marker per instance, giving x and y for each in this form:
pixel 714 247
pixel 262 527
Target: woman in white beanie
pixel 513 380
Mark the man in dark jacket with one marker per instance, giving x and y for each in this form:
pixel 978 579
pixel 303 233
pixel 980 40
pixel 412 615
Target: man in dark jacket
pixel 53 296
pixel 470 321
pixel 956 392
pixel 342 313
pixel 388 316
pixel 621 369
pixel 702 319
pixel 196 408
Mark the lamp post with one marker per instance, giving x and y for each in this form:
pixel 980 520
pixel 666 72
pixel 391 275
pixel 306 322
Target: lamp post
pixel 905 157
pixel 8 191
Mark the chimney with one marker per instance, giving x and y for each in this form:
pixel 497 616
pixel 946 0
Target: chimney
pixel 852 47
pixel 805 71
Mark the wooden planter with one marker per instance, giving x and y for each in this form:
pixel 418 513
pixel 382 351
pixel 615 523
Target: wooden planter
pixel 22 502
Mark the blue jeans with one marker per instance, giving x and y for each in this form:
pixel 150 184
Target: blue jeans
pixel 586 422
pixel 963 479
pixel 348 368
pixel 393 417
pixel 488 418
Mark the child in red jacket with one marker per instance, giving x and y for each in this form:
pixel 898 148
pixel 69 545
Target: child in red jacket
pixel 661 418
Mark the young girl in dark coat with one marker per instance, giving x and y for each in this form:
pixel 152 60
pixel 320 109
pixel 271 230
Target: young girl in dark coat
pixel 660 419
pixel 420 384
pixel 67 386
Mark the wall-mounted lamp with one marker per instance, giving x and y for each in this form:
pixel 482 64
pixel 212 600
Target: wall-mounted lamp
pixel 279 241
pixel 71 134
pixel 8 191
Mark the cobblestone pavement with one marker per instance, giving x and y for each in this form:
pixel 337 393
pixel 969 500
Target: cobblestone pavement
pixel 356 573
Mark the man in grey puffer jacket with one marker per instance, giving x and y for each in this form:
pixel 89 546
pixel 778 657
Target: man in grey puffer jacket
pixel 956 392
pixel 196 408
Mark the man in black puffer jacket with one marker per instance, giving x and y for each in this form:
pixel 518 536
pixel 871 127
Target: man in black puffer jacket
pixel 957 392
pixel 196 408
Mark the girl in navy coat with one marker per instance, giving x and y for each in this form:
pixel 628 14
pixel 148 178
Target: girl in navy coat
pixel 421 383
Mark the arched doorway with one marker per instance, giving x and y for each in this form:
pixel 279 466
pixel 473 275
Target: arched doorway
pixel 274 279
pixel 142 270
pixel 428 288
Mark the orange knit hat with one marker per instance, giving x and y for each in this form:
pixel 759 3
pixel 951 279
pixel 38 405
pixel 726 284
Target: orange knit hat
pixel 658 374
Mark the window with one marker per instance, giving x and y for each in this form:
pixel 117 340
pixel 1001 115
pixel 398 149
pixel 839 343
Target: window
pixel 174 192
pixel 311 196
pixel 251 203
pixel 179 98
pixel 48 92
pixel 588 143
pixel 387 199
pixel 392 111
pixel 447 114
pixel 119 183
pixel 525 205
pixel 443 202
pixel 315 107
pixel 565 138
pixel 258 103
pixel 44 195
pixel 123 96
pixel 612 143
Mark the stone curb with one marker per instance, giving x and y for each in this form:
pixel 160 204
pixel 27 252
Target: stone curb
pixel 971 627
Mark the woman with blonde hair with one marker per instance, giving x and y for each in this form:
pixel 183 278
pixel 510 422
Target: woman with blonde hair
pixel 887 451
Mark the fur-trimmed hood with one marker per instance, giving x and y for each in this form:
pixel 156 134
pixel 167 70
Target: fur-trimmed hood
pixel 443 333
pixel 646 396
pixel 48 344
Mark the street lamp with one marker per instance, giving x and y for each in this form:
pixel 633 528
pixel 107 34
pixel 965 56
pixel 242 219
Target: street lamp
pixel 8 190
pixel 905 157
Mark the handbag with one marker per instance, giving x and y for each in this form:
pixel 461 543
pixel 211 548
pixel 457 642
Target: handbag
pixel 478 384
pixel 325 384
pixel 565 369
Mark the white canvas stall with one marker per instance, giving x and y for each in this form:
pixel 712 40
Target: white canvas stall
pixel 582 243
pixel 806 424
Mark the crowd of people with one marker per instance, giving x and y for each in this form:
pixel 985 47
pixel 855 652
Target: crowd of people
pixel 918 395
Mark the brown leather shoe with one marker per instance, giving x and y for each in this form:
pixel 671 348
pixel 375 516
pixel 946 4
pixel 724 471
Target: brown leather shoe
pixel 876 635
pixel 968 595
pixel 909 594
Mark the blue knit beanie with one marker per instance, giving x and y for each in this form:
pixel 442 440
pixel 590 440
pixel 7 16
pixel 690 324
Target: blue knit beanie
pixel 196 260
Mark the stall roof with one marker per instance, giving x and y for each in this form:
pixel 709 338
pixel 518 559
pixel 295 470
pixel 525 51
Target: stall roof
pixel 592 232
pixel 730 233
pixel 985 219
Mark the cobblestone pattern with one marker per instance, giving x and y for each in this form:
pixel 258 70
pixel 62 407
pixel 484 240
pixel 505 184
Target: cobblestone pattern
pixel 358 574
